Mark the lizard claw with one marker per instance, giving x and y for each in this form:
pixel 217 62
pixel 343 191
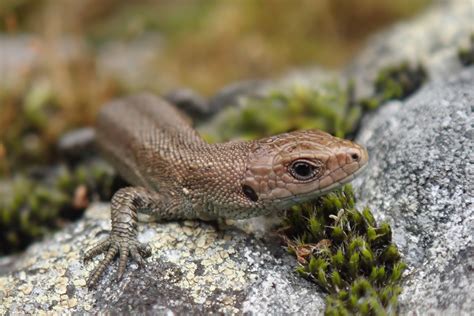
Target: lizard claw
pixel 112 246
pixel 96 250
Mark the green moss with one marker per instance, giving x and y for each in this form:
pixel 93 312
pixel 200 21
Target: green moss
pixel 330 109
pixel 30 207
pixel 25 136
pixel 466 55
pixel 395 83
pixel 346 253
pixel 400 81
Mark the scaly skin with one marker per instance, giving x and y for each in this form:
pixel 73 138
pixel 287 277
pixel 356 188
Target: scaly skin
pixel 177 175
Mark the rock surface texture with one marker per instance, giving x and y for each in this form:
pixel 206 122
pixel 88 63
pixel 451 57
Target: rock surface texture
pixel 194 267
pixel 421 180
pixel 431 39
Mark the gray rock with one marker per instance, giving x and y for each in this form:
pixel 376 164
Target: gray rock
pixel 190 102
pixel 420 180
pixel 431 39
pixel 231 94
pixel 77 144
pixel 194 268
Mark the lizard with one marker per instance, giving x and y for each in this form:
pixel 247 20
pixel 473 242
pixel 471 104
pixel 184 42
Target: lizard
pixel 175 174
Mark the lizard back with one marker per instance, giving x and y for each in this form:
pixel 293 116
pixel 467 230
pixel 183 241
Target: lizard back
pixel 144 136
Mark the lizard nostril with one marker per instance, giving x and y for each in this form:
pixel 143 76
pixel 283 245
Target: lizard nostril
pixel 355 156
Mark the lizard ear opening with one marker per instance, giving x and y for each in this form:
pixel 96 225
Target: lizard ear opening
pixel 250 193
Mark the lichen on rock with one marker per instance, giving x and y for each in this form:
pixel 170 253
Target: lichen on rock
pixel 193 267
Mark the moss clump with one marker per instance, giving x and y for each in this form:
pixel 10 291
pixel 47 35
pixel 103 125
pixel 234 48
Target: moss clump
pixel 346 253
pixel 330 109
pixel 466 55
pixel 395 83
pixel 32 205
pixel 24 121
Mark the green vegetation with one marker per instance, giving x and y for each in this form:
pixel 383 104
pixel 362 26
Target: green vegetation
pixel 31 206
pixel 59 93
pixel 346 253
pixel 26 141
pixel 466 55
pixel 395 83
pixel 241 36
pixel 330 108
pixel 33 117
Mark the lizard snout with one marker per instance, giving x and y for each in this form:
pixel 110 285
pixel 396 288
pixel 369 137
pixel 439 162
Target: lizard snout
pixel 353 159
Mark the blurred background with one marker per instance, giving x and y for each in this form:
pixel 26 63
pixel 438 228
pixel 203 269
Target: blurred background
pixel 71 56
pixel 60 60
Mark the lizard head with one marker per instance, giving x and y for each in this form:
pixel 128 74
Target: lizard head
pixel 295 167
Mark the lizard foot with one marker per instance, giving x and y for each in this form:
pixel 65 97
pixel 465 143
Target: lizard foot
pixel 112 246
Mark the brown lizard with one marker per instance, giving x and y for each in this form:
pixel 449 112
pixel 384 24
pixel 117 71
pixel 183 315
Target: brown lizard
pixel 177 175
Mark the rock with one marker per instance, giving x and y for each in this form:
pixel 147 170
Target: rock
pixel 431 39
pixel 190 102
pixel 230 94
pixel 420 180
pixel 194 268
pixel 77 144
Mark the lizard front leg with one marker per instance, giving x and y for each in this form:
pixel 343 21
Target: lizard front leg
pixel 123 239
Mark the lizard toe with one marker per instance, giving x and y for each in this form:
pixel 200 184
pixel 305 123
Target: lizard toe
pixel 96 250
pixel 99 270
pixel 124 252
pixel 112 246
pixel 137 255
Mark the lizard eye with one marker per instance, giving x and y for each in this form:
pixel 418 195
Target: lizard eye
pixel 304 170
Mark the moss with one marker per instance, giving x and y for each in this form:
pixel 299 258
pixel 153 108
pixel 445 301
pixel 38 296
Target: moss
pixel 400 81
pixel 330 108
pixel 25 132
pixel 346 253
pixel 395 83
pixel 466 55
pixel 36 110
pixel 31 205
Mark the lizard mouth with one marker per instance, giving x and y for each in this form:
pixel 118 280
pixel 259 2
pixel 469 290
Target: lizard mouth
pixel 354 175
pixel 343 181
